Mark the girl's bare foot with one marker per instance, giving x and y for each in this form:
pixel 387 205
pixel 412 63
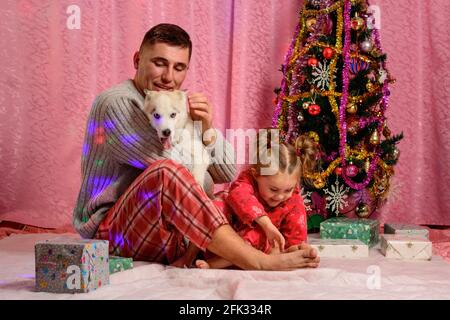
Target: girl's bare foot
pixel 202 264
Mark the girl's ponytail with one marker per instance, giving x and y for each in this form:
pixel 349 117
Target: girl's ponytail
pixel 307 151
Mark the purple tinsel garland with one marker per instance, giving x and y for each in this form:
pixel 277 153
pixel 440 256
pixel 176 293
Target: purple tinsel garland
pixel 343 103
pixel 343 133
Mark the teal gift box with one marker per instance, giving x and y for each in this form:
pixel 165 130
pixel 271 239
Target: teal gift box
pixel 117 264
pixel 365 230
pixel 68 265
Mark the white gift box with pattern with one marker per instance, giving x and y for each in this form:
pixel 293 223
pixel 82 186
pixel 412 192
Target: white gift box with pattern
pixel 68 265
pixel 340 248
pixel 406 229
pixel 400 246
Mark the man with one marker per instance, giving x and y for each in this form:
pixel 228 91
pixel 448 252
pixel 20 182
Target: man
pixel 145 205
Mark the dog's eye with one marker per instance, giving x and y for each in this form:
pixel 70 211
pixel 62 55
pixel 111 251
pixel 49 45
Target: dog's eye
pixel 173 115
pixel 156 115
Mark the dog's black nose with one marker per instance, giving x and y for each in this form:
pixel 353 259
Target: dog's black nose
pixel 166 132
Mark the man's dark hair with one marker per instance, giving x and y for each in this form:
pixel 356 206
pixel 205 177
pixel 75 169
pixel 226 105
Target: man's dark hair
pixel 170 34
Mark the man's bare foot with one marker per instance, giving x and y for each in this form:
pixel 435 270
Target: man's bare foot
pixel 202 264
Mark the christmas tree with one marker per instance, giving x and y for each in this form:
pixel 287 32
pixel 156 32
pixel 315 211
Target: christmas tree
pixel 335 90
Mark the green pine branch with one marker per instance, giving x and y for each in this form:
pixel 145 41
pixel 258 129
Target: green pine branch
pixel 392 141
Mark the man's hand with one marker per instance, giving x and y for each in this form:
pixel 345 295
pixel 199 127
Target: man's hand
pixel 273 235
pixel 201 110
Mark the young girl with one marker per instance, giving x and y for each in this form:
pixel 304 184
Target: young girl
pixel 268 210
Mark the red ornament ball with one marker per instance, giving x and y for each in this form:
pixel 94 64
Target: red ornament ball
pixel 314 109
pixel 312 62
pixel 338 171
pixel 351 170
pixel 327 53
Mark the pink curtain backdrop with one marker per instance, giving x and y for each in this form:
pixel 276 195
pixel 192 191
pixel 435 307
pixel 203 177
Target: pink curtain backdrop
pixel 50 76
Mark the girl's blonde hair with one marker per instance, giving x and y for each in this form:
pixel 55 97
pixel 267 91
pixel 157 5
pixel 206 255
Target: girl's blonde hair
pixel 300 155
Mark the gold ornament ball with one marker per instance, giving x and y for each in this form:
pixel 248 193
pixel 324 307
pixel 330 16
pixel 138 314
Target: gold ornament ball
pixel 369 86
pixel 374 138
pixel 352 108
pixel 362 210
pixel 319 183
pixel 357 23
pixel 310 22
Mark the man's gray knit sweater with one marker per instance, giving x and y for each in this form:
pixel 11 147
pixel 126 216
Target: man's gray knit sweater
pixel 119 145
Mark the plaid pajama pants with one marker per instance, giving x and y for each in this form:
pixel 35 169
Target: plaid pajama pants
pixel 164 204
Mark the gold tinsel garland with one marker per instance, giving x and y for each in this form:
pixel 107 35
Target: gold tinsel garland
pixel 380 180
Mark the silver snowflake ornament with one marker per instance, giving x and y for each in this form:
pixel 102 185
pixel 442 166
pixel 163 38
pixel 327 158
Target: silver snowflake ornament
pixel 322 75
pixel 336 198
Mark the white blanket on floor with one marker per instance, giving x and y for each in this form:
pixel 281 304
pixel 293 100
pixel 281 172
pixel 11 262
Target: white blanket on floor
pixel 375 277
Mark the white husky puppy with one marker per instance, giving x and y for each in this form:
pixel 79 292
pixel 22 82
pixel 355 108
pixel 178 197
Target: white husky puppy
pixel 168 115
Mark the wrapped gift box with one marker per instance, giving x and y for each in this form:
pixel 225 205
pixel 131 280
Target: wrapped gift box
pixel 406 247
pixel 365 230
pixel 117 264
pixel 66 265
pixel 340 248
pixel 406 229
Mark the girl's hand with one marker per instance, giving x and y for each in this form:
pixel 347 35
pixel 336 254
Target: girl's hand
pixel 273 235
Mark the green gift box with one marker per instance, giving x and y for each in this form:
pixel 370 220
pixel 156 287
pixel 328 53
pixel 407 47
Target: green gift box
pixel 365 230
pixel 117 264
